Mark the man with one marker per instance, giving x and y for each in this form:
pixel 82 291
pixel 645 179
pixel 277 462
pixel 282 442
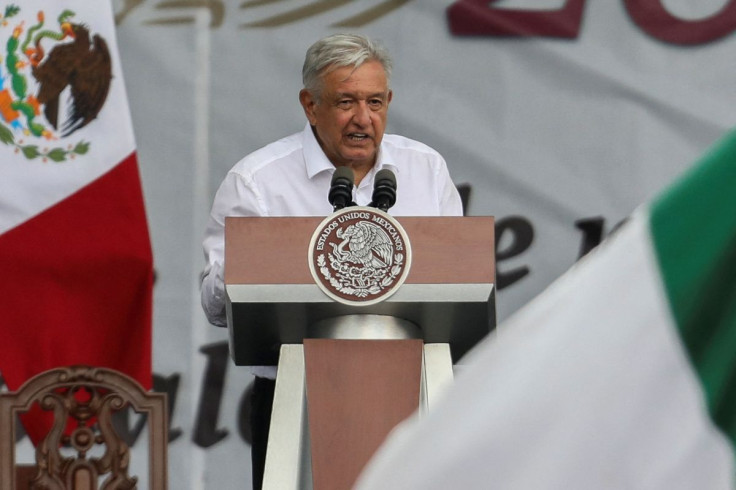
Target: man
pixel 346 96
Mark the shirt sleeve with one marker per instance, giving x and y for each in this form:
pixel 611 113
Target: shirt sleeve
pixel 237 196
pixel 450 202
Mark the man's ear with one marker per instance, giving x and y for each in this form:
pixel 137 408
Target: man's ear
pixel 308 102
pixel 390 96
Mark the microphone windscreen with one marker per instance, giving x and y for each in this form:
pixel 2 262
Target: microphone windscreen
pixel 343 173
pixel 341 188
pixel 386 177
pixel 384 190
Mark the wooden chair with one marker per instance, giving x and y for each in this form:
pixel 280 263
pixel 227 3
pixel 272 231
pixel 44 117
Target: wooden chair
pixel 88 397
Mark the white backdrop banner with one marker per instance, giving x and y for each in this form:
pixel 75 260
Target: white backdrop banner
pixel 558 117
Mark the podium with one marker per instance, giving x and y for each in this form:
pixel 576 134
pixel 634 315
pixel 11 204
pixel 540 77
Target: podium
pixel 347 374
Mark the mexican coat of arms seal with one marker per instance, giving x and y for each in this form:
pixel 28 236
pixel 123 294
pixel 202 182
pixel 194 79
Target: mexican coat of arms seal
pixel 359 256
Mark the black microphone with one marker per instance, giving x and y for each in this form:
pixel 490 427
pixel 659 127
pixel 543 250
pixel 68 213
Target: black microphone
pixel 384 190
pixel 341 188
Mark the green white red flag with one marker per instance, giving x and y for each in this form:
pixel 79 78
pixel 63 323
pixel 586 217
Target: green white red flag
pixel 622 374
pixel 76 269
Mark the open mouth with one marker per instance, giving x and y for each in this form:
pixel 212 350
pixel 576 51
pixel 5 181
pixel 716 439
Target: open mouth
pixel 357 137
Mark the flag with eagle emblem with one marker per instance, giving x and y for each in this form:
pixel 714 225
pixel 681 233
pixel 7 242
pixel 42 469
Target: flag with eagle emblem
pixel 76 270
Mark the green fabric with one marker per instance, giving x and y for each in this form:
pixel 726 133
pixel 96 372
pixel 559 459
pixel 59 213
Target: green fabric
pixel 693 224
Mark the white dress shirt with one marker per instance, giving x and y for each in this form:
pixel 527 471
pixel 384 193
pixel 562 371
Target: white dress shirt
pixel 292 176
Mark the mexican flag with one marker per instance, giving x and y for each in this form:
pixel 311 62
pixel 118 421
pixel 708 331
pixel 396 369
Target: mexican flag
pixel 622 375
pixel 76 268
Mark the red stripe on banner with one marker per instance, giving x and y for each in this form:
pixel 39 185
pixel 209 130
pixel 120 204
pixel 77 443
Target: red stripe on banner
pixel 76 285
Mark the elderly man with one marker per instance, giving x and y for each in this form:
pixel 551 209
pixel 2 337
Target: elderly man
pixel 346 97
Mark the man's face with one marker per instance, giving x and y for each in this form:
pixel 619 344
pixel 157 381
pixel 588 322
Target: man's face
pixel 350 116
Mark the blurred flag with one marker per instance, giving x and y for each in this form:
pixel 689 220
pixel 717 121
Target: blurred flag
pixel 621 375
pixel 75 256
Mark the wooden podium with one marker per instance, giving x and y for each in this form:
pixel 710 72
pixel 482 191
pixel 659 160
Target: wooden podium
pixel 348 374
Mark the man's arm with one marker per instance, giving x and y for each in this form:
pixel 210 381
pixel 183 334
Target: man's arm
pixel 237 196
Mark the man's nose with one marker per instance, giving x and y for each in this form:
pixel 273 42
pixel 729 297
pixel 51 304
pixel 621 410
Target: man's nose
pixel 362 114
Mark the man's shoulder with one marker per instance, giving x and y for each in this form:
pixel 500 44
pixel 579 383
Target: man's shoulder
pixel 281 149
pixel 397 142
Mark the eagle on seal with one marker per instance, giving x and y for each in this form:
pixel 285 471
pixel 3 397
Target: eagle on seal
pixel 367 243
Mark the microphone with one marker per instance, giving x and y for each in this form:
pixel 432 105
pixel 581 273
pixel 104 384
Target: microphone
pixel 341 188
pixel 384 190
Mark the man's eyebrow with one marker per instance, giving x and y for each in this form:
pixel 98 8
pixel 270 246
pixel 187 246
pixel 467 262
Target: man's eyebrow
pixel 352 95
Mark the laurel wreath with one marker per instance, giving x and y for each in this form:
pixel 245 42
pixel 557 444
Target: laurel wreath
pixel 388 280
pixel 345 288
pixel 32 151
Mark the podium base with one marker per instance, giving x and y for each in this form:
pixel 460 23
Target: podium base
pixel 289 456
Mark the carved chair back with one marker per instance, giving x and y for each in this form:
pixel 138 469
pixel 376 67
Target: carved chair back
pixel 83 400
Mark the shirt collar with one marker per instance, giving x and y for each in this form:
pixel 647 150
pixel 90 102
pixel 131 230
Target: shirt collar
pixel 316 161
pixel 314 158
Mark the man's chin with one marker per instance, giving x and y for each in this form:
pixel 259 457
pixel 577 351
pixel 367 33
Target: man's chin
pixel 359 157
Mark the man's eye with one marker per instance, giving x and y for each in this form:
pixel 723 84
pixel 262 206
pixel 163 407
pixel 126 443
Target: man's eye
pixel 344 104
pixel 375 103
